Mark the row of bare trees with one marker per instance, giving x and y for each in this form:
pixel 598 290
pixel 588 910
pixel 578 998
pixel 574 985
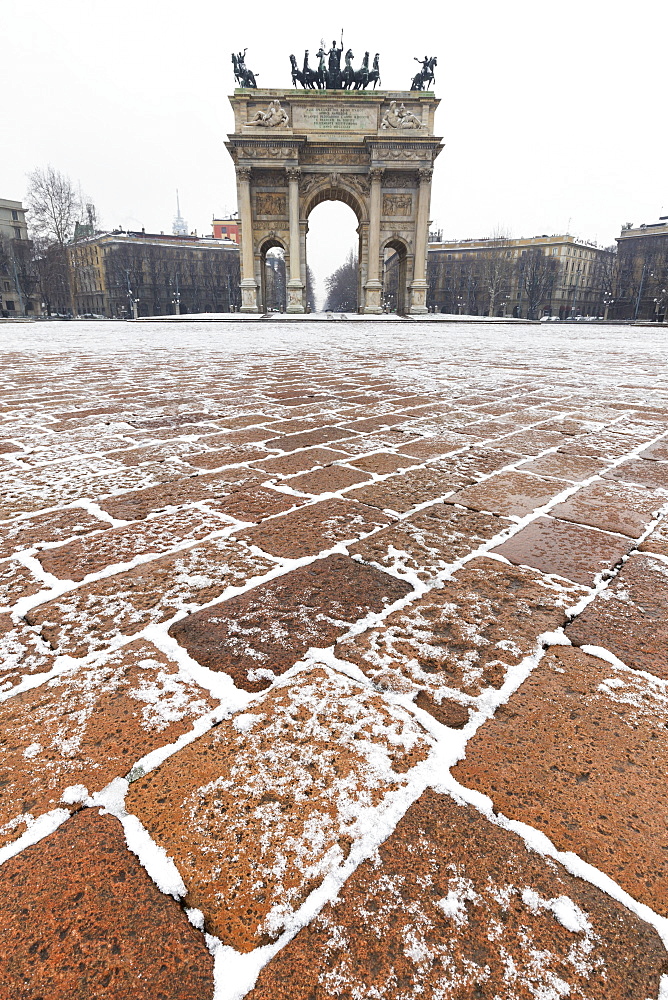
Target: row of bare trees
pixel 342 285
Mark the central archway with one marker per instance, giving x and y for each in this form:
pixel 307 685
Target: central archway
pixel 332 235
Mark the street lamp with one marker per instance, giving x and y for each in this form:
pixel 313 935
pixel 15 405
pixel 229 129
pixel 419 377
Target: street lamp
pixel 645 270
pixel 176 298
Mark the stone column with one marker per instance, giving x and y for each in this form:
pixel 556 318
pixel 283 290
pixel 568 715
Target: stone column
pixel 419 282
pixel 295 284
pixel 248 283
pixel 374 286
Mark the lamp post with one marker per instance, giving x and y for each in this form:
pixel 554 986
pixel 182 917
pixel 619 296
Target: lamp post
pixel 176 298
pixel 132 300
pixel 607 302
pixel 658 303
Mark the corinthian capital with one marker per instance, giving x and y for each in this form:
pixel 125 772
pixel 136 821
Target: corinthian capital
pixel 244 173
pixel 293 173
pixel 376 173
pixel 425 173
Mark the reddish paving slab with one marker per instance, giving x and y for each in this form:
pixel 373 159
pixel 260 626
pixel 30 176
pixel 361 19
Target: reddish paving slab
pixel 653 474
pixel 97 925
pixel 56 526
pixel 574 468
pixel 567 549
pixel 605 445
pixel 612 507
pixel 88 726
pixel 21 653
pixel 432 447
pixel 16 582
pixel 464 635
pixel 658 451
pixel 187 489
pixel 533 441
pixel 260 634
pixel 315 527
pixel 452 906
pixel 402 492
pixel 223 456
pixel 86 619
pixel 579 752
pixel 657 540
pixel 427 542
pixel 509 493
pixel 78 558
pixel 383 462
pixel 331 479
pixel 255 504
pixel 289 442
pixel 258 811
pixel 298 461
pixel 629 617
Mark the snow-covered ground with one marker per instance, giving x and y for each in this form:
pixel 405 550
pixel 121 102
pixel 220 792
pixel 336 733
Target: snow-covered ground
pixel 356 633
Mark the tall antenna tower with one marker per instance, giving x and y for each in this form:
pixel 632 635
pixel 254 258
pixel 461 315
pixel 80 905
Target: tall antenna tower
pixel 180 226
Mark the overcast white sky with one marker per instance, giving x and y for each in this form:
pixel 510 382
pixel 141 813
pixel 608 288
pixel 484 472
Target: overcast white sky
pixel 553 115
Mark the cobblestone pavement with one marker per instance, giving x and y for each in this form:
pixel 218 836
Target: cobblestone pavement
pixel 335 662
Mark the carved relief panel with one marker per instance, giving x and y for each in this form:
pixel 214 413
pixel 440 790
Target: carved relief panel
pixel 270 203
pixel 397 204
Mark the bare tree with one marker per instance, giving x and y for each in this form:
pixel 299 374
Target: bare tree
pixel 54 205
pixel 342 286
pixel 496 266
pixel 537 273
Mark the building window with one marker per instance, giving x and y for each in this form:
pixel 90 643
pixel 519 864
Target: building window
pixel 6 286
pixel 9 305
pixel 17 233
pixel 15 215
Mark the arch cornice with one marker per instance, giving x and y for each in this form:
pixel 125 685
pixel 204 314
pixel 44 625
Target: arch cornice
pixel 335 189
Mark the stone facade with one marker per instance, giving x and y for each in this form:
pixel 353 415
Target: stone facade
pixel 295 149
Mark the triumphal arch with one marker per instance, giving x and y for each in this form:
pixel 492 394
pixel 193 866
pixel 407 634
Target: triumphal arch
pixel 373 150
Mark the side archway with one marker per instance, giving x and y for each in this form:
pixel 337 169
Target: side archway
pixel 271 277
pixel 396 294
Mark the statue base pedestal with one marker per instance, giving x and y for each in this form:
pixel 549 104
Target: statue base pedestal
pixel 418 306
pixel 248 288
pixel 373 292
pixel 295 296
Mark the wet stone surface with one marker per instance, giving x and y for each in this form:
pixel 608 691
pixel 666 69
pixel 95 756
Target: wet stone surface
pixel 570 550
pixel 629 618
pixel 452 906
pixel 628 510
pixel 579 752
pixel 508 493
pixel 276 796
pixel 260 634
pixel 103 928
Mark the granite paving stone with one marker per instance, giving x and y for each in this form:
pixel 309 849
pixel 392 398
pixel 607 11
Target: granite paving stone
pixel 321 435
pixel 42 529
pixel 87 618
pixel 570 550
pixel 258 811
pixel 255 504
pixel 186 489
pixel 79 917
pixel 579 752
pixel 453 906
pixel 615 507
pixel 639 471
pixel 76 559
pixel 574 468
pixel 383 462
pixel 402 492
pixel 464 635
pixel 329 479
pixel 603 444
pixel 260 634
pixel 22 653
pixel 532 441
pixel 629 617
pixel 427 542
pixel 658 451
pixel 509 493
pixel 298 461
pixel 657 540
pixel 315 527
pixel 88 726
pixel 16 582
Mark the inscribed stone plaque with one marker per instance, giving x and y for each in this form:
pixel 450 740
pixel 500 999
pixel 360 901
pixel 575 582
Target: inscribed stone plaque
pixel 270 204
pixel 397 204
pixel 335 118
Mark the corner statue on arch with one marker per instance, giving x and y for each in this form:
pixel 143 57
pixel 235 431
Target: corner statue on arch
pixel 336 139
